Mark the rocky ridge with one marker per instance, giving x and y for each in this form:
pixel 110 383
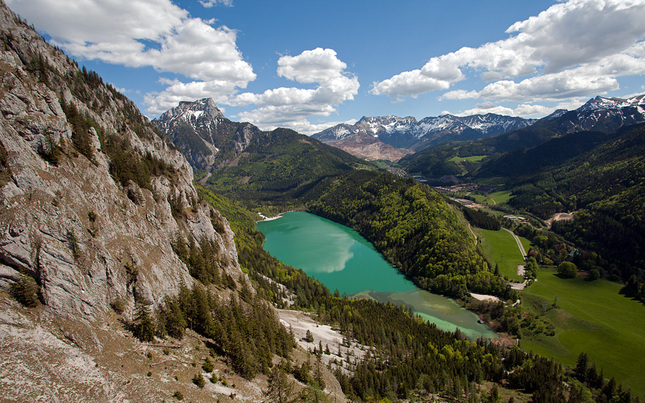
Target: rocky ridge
pixel 603 114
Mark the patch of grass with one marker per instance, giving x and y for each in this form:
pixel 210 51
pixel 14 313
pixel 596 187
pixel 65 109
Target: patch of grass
pixel 472 158
pixel 500 248
pixel 500 197
pixel 593 318
pixel 481 199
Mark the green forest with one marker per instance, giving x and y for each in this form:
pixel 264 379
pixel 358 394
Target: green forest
pixel 278 167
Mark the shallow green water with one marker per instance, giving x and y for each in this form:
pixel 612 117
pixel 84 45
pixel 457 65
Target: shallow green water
pixel 343 260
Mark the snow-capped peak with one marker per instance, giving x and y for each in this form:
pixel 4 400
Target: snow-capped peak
pixel 191 111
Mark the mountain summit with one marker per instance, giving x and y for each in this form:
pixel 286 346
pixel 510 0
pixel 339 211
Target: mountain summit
pixel 203 134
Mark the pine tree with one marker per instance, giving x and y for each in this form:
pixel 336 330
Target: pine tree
pixel 280 389
pixel 144 328
pixel 581 367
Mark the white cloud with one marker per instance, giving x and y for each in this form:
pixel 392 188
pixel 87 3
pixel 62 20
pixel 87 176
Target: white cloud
pixel 212 3
pixel 290 106
pixel 311 66
pixel 152 33
pixel 525 110
pixel 583 81
pixel 522 110
pixel 460 95
pixel 575 48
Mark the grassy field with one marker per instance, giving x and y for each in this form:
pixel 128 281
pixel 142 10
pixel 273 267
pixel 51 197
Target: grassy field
pixel 500 197
pixel 500 247
pixel 591 317
pixel 473 158
pixel 467 164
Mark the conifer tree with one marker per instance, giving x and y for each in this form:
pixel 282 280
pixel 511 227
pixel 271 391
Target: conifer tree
pixel 144 328
pixel 280 389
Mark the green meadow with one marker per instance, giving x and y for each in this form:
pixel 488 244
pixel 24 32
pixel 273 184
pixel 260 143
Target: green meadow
pixel 500 247
pixel 591 317
pixel 500 197
pixel 467 164
pixel 473 158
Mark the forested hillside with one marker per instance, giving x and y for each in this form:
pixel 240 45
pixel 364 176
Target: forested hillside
pixel 414 227
pixel 279 166
pixel 606 188
pixel 436 161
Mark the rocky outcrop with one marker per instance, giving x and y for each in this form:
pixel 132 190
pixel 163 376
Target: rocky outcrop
pixel 68 217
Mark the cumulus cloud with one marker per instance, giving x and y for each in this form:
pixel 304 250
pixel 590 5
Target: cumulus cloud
pixel 574 48
pixel 291 106
pixel 153 33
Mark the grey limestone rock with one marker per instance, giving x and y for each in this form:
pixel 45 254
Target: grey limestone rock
pixel 66 221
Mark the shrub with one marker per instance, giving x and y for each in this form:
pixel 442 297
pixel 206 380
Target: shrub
pixel 199 380
pixel 208 365
pixel 118 305
pixel 567 270
pixel 25 291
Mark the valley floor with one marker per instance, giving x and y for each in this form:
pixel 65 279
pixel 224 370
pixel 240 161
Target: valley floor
pixel 591 317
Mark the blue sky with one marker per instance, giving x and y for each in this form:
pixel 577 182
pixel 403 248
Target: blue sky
pixel 308 65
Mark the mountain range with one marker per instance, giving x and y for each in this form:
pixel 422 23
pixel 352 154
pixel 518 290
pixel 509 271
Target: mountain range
pixel 122 279
pixel 599 114
pixel 407 135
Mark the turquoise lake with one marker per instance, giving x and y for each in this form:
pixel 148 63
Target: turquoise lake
pixel 343 260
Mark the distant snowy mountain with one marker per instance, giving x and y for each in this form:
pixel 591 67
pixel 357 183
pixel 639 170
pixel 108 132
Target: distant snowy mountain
pixel 603 114
pixel 409 133
pixel 599 114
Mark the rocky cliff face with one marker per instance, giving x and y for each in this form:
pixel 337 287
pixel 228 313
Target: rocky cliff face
pixel 89 230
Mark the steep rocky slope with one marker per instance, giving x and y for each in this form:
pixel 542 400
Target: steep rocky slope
pixel 362 145
pixel 86 232
pixel 102 227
